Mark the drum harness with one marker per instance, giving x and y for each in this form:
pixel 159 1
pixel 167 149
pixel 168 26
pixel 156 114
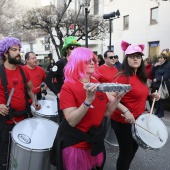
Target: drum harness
pixel 12 112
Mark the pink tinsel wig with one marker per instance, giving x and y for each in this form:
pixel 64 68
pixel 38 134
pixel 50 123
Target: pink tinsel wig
pixel 76 67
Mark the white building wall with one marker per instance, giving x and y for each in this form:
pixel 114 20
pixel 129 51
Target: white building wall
pixel 140 30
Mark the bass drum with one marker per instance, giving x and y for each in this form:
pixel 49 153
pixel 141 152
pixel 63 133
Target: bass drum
pixel 32 140
pixel 48 110
pixel 150 141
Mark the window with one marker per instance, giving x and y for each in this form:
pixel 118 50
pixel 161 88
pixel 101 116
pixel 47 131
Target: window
pixel 153 48
pixel 126 22
pixel 154 16
pixel 96 7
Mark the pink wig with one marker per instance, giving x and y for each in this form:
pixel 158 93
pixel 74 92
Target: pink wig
pixel 76 67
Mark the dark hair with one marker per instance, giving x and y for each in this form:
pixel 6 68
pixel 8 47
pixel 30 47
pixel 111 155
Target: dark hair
pixel 27 55
pixel 105 54
pixel 3 57
pixel 148 60
pixel 164 56
pixel 101 59
pixel 129 71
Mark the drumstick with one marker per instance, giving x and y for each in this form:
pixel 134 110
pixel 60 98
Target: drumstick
pixel 148 131
pixel 15 82
pixel 35 95
pixel 153 105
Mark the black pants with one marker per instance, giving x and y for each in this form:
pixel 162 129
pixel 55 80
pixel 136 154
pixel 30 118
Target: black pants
pixel 127 145
pixel 4 144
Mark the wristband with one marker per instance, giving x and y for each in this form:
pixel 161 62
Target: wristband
pixel 86 104
pixel 125 111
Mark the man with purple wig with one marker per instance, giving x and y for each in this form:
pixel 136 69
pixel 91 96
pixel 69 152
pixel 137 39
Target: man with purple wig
pixel 12 109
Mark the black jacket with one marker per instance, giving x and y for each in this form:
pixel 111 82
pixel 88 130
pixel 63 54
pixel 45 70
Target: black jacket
pixel 159 71
pixel 58 74
pixel 68 136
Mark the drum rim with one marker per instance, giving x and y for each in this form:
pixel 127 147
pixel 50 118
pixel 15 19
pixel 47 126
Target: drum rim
pixel 29 149
pixel 43 115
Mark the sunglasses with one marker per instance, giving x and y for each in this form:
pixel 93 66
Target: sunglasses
pixel 88 61
pixel 112 57
pixel 138 56
pixel 72 47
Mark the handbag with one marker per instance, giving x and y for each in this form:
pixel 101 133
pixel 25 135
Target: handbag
pixel 163 91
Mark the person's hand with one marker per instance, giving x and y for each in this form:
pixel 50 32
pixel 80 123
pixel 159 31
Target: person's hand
pixel 4 110
pixel 129 117
pixel 38 107
pixel 154 80
pixel 157 64
pixel 90 93
pixel 155 96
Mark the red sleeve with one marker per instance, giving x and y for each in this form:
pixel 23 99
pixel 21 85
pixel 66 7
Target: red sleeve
pixel 67 97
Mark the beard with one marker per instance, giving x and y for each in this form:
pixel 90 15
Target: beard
pixel 14 60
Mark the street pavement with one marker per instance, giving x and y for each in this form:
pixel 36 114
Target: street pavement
pixel 144 159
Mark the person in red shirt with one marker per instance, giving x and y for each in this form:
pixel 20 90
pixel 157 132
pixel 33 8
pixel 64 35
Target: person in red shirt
pixel 107 71
pixel 79 138
pixel 36 73
pixel 132 104
pixel 14 110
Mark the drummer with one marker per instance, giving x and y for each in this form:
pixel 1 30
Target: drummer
pixel 18 107
pixel 36 73
pixel 132 105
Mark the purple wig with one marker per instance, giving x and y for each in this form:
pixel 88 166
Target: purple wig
pixel 76 67
pixel 7 43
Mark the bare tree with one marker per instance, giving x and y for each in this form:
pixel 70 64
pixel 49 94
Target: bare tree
pixel 9 13
pixel 58 24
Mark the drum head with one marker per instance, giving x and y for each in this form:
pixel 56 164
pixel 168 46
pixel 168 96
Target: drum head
pixel 48 108
pixel 35 133
pixel 155 125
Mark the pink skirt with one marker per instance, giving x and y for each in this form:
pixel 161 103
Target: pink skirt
pixel 80 159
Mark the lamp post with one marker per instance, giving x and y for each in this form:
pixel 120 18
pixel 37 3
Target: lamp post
pixel 86 4
pixel 110 17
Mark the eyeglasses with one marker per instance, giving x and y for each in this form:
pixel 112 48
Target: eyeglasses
pixel 133 56
pixel 88 61
pixel 72 47
pixel 111 57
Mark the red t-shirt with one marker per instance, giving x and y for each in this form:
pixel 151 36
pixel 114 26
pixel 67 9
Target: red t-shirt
pixel 134 100
pixel 18 101
pixel 37 76
pixel 73 95
pixel 105 73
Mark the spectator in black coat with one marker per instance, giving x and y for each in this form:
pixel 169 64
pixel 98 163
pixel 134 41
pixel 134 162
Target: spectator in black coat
pixel 161 69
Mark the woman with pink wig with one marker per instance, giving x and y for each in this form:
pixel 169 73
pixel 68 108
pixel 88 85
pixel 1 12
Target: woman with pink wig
pixel 132 104
pixel 79 142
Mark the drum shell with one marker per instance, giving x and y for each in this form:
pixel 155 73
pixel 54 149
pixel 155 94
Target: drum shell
pixel 28 159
